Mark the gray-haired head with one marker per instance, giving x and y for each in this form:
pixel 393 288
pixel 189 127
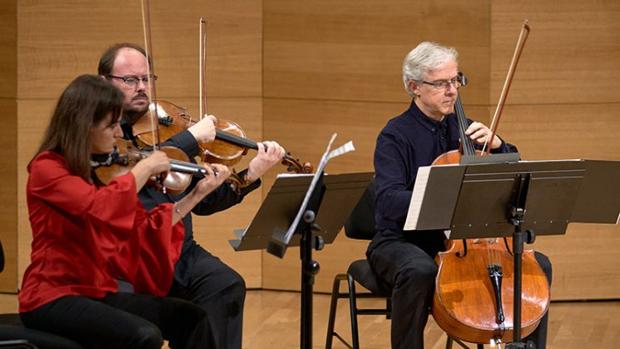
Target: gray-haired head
pixel 426 56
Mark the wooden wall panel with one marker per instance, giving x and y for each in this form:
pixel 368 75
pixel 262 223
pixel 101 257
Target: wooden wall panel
pixel 353 50
pixel 53 50
pixel 572 54
pixel 562 132
pixel 8 142
pixel 562 105
pixel 8 194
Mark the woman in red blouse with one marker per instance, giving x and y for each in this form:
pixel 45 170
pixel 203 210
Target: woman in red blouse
pixel 85 236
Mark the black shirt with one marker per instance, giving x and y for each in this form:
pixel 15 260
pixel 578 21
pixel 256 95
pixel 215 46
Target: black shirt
pixel 220 199
pixel 407 142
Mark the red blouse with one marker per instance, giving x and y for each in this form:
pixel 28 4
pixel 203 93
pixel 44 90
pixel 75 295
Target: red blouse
pixel 85 237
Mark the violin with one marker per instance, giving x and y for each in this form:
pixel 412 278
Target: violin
pixel 230 143
pixel 474 287
pixel 125 156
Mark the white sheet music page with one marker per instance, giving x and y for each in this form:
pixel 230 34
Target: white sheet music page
pixel 419 188
pixel 329 154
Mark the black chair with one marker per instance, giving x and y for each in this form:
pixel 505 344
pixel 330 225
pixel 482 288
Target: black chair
pixel 361 225
pixel 14 335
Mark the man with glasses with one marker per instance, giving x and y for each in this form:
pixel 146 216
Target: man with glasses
pixel 199 276
pixel 429 128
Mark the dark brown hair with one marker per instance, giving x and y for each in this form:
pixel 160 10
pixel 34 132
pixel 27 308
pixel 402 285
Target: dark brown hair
pixel 85 102
pixel 106 62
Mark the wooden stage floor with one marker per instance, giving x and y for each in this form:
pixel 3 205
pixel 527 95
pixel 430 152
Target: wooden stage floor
pixel 272 322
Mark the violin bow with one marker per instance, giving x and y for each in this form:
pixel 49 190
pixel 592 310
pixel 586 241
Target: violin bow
pixel 525 31
pixel 153 112
pixel 202 69
pixel 150 71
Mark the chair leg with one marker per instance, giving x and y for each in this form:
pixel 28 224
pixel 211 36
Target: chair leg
pixel 353 311
pixel 449 343
pixel 451 340
pixel 333 307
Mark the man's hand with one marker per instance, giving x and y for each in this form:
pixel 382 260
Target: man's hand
pixel 269 154
pixel 204 130
pixel 479 133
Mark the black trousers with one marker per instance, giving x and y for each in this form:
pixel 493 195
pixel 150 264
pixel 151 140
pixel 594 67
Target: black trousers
pixel 123 320
pixel 411 271
pixel 220 291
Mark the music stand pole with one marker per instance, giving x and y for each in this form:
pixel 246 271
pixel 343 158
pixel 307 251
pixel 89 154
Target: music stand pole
pixel 519 239
pixel 309 268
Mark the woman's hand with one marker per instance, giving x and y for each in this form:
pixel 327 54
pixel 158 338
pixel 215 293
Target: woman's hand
pixel 154 164
pixel 216 175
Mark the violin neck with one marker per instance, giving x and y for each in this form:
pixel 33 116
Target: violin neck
pixel 236 140
pixel 187 167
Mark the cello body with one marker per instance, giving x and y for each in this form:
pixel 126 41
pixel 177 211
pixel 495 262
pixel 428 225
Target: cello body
pixel 474 286
pixel 465 304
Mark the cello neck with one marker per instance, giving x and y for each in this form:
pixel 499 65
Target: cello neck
pixel 466 142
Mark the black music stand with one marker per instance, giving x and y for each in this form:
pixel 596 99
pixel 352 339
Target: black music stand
pixel 283 220
pixel 497 200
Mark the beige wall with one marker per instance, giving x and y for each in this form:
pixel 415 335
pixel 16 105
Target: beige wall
pixel 297 71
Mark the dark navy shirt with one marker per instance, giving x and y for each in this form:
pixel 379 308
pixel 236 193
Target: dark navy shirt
pixel 220 199
pixel 407 142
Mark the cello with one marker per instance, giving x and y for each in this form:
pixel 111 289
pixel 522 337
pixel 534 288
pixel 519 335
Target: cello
pixel 474 286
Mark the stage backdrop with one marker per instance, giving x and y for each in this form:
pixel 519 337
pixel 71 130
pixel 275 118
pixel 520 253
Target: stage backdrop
pixel 298 71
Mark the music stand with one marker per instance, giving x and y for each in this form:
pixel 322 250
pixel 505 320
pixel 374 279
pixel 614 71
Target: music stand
pixel 498 200
pixel 275 227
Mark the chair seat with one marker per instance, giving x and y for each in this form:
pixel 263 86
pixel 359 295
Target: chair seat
pixel 11 328
pixel 362 273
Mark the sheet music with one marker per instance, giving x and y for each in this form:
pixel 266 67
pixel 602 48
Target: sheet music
pixel 345 148
pixel 419 188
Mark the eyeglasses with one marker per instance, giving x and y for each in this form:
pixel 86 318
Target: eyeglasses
pixel 456 81
pixel 132 80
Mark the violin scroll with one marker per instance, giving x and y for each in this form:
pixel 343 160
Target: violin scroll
pixel 293 165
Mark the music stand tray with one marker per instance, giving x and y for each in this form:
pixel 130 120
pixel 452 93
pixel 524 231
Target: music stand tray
pixel 341 193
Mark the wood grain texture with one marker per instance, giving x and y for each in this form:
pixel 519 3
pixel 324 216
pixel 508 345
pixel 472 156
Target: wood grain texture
pixel 272 321
pixel 8 48
pixel 353 50
pixel 8 195
pixel 572 55
pixel 8 142
pixel 54 49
